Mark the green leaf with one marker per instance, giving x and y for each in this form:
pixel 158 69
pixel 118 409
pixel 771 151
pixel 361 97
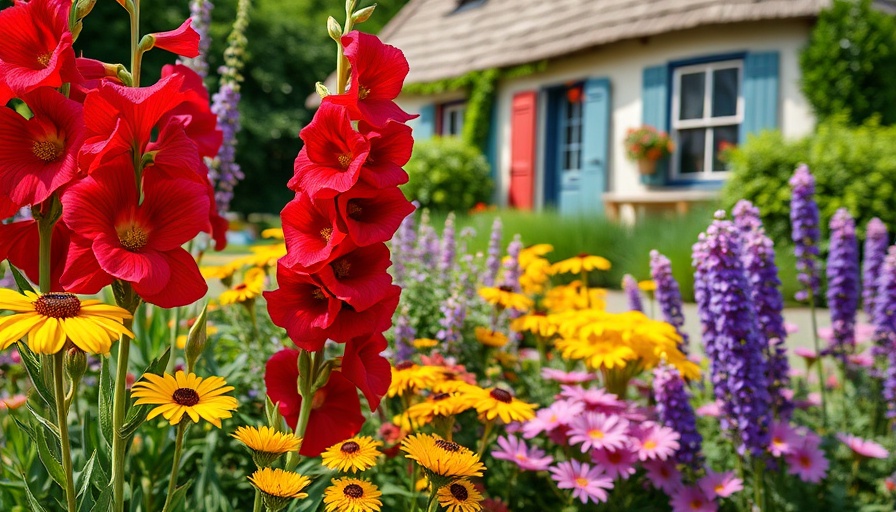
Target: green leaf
pixel 21 282
pixel 137 415
pixel 35 371
pixel 87 473
pixel 44 421
pixel 104 501
pixel 32 501
pixel 105 402
pixel 54 467
pixel 179 495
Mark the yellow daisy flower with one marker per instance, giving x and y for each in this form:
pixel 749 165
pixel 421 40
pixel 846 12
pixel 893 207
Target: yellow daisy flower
pixel 536 323
pixel 267 444
pixel 221 272
pixel 440 404
pixel 276 233
pixel 505 297
pixel 647 286
pixel 421 343
pixel 352 495
pixel 50 318
pixel 490 338
pixel 408 376
pixel 535 251
pixel 355 454
pixel 267 255
pixel 578 264
pixel 249 289
pixel 459 496
pixel 440 457
pixel 185 394
pixel 499 403
pixel 279 487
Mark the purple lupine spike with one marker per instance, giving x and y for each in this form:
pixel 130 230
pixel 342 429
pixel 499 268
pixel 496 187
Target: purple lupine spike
pixel 511 277
pixel 632 293
pixel 843 283
pixel 739 347
pixel 201 14
pixel 449 246
pixel 884 319
pixel 454 313
pixel 493 262
pixel 718 372
pixel 404 336
pixel 403 248
pixel 805 231
pixel 876 242
pixel 758 257
pixel 668 295
pixel 427 250
pixel 890 383
pixel 675 411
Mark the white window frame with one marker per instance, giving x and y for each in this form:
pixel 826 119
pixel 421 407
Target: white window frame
pixel 706 121
pixel 459 108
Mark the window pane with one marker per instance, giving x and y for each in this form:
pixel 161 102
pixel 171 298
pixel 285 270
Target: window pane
pixel 691 150
pixel 725 83
pixel 723 137
pixel 693 90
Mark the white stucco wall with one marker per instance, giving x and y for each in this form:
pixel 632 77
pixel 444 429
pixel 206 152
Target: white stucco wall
pixel 623 63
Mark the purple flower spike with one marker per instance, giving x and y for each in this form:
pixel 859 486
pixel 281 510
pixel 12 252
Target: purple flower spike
pixel 674 408
pixel 493 262
pixel 632 293
pixel 843 283
pixel 201 14
pixel 511 278
pixel 449 246
pixel 668 295
pixel 805 232
pixel 758 257
pixel 884 319
pixel 876 242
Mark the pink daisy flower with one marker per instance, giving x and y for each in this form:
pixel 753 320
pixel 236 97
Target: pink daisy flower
pixel 784 437
pixel 863 360
pixel 807 461
pixel 864 447
pixel 711 410
pixel 791 328
pixel 587 483
pixel 566 377
pixel 616 463
pixel 720 484
pixel 516 451
pixel 806 353
pixel 692 499
pixel 663 474
pixel 560 414
pixel 594 399
pixel 655 441
pixel 813 399
pixel 595 430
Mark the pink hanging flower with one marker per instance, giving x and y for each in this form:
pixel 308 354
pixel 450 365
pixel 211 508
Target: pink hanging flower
pixel 587 483
pixel 516 451
pixel 864 447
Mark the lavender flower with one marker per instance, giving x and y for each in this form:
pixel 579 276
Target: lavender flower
pixel 876 241
pixel 493 262
pixel 668 295
pixel 674 408
pixel 718 371
pixel 758 258
pixel 890 382
pixel 884 319
pixel 427 251
pixel 843 283
pixel 632 293
pixel 201 14
pixel 805 230
pixel 454 313
pixel 511 278
pixel 404 336
pixel 739 347
pixel 449 246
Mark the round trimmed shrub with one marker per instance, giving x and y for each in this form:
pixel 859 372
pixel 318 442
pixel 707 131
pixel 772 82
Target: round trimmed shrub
pixel 447 174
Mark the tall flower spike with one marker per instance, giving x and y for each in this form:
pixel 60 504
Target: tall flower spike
pixel 804 223
pixel 884 319
pixel 668 295
pixel 876 242
pixel 449 246
pixel 758 257
pixel 703 297
pixel 674 408
pixel 843 283
pixel 493 262
pixel 632 293
pixel 201 14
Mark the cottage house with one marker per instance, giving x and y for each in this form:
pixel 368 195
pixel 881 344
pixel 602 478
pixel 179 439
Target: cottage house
pixel 575 75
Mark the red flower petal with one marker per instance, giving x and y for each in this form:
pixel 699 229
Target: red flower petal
pixel 359 276
pixel 371 215
pixel 281 378
pixel 302 306
pixel 334 153
pixel 183 40
pixel 352 324
pixel 20 243
pixel 366 368
pixel 146 269
pixel 82 272
pixel 185 286
pixel 390 149
pixel 175 211
pixel 200 124
pixel 176 155
pixel 310 231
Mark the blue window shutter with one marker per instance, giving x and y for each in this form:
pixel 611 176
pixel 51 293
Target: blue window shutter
pixel 760 93
pixel 425 125
pixel 655 112
pixel 596 144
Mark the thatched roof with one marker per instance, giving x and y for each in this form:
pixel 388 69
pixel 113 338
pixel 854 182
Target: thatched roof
pixel 442 41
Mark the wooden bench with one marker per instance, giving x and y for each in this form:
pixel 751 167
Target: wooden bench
pixel 627 207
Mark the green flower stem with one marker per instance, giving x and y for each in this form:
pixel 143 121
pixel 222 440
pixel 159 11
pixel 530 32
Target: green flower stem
pixel 136 53
pixel 118 416
pixel 824 410
pixel 175 464
pixel 342 65
pixel 175 313
pixel 62 420
pixel 758 495
pixel 257 506
pixel 433 499
pixel 486 434
pixel 306 390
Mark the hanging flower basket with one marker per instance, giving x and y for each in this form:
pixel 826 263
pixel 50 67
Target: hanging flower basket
pixel 646 166
pixel 647 146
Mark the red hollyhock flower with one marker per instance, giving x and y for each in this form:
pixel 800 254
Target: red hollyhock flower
pixel 331 160
pixel 20 243
pixel 39 155
pixel 200 124
pixel 335 411
pixel 370 215
pixel 366 368
pixel 141 243
pixel 311 232
pixel 358 277
pixel 36 47
pixel 302 306
pixel 350 323
pixel 390 149
pixel 378 72
pixel 183 40
pixel 175 154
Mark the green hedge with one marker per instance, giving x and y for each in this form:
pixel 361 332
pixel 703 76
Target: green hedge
pixel 448 174
pixel 854 167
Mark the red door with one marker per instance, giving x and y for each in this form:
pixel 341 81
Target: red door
pixel 522 150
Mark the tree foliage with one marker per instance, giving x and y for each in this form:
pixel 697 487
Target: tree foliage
pixel 849 65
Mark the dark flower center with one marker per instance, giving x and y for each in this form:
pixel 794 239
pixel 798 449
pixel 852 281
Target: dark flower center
pixel 354 210
pixel 345 159
pixel 58 305
pixel 318 294
pixel 185 396
pixel 404 365
pixel 459 492
pixel 326 233
pixel 501 395
pixel 582 255
pixel 44 59
pixel 341 268
pixel 354 491
pixel 363 92
pixel 46 150
pixel 133 239
pixel 350 447
pixel 505 288
pixel 448 446
pixel 241 286
pixel 440 396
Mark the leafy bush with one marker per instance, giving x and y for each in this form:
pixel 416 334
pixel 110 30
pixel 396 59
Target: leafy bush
pixel 854 167
pixel 849 66
pixel 448 174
